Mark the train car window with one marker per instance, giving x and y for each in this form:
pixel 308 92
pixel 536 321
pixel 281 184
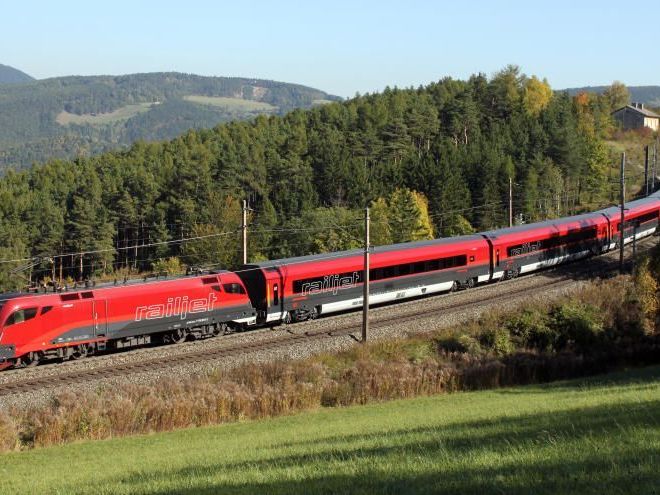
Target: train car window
pixel 69 297
pixel 209 280
pixel 45 309
pixel 553 242
pixel 349 279
pixel 638 221
pixel 419 267
pixel 389 271
pixel 234 288
pixel 433 265
pixel 87 295
pixel 21 315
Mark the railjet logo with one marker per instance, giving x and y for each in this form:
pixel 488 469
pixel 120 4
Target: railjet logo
pixel 175 306
pixel 331 283
pixel 528 247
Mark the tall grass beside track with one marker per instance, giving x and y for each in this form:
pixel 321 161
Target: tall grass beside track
pixel 589 436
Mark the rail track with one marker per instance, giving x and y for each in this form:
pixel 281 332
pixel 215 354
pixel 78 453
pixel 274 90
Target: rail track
pixel 564 275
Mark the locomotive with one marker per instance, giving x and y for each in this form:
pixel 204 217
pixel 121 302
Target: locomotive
pixel 74 324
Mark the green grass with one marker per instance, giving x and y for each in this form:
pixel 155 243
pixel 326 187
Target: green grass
pixel 123 113
pixel 599 435
pixel 232 104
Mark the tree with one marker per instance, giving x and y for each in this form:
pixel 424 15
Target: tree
pixel 617 95
pixel 380 230
pixel 409 216
pixel 536 95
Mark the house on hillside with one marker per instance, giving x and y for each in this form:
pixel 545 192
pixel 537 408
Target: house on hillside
pixel 635 116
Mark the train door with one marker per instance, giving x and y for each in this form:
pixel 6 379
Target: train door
pixel 100 314
pixel 275 297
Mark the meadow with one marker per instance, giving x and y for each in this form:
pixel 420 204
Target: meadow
pixel 595 435
pixel 232 104
pixel 124 113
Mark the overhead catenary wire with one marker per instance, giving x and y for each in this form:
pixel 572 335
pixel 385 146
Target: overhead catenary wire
pixel 140 244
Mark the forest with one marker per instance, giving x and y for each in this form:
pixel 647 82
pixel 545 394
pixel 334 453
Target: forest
pixel 429 161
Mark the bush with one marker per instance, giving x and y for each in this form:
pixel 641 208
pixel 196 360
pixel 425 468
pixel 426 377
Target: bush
pixel 459 343
pixel 170 266
pixel 646 284
pixel 579 326
pixel 530 329
pixel 498 340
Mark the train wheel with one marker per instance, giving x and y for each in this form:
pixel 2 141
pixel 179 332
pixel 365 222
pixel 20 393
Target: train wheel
pixel 313 314
pixel 30 359
pixel 454 286
pixel 471 282
pixel 177 336
pixel 81 351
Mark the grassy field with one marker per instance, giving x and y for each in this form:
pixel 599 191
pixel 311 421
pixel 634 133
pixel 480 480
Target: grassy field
pixel 123 113
pixel 599 435
pixel 232 104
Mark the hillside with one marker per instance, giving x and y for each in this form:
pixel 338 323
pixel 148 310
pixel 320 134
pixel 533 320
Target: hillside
pixel 74 116
pixel 649 95
pixel 9 75
pixel 457 143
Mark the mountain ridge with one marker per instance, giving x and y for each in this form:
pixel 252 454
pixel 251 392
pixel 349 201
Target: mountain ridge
pixel 649 95
pixel 70 116
pixel 11 75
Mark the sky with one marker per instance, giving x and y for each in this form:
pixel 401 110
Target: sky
pixel 342 47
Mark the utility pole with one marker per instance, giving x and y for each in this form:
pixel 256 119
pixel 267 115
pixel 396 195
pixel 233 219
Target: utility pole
pixel 646 169
pixel 655 161
pixel 365 284
pixel 510 202
pixel 623 200
pixel 244 230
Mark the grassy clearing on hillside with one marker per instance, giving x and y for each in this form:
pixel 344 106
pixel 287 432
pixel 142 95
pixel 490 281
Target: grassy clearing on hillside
pixel 597 435
pixel 123 113
pixel 232 104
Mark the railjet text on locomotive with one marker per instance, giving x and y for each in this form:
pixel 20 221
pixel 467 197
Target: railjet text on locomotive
pixel 175 306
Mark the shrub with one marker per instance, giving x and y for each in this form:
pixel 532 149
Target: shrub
pixel 646 286
pixel 498 340
pixel 530 329
pixel 170 266
pixel 579 326
pixel 462 343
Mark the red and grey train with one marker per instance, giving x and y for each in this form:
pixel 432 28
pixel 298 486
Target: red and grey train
pixel 73 324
